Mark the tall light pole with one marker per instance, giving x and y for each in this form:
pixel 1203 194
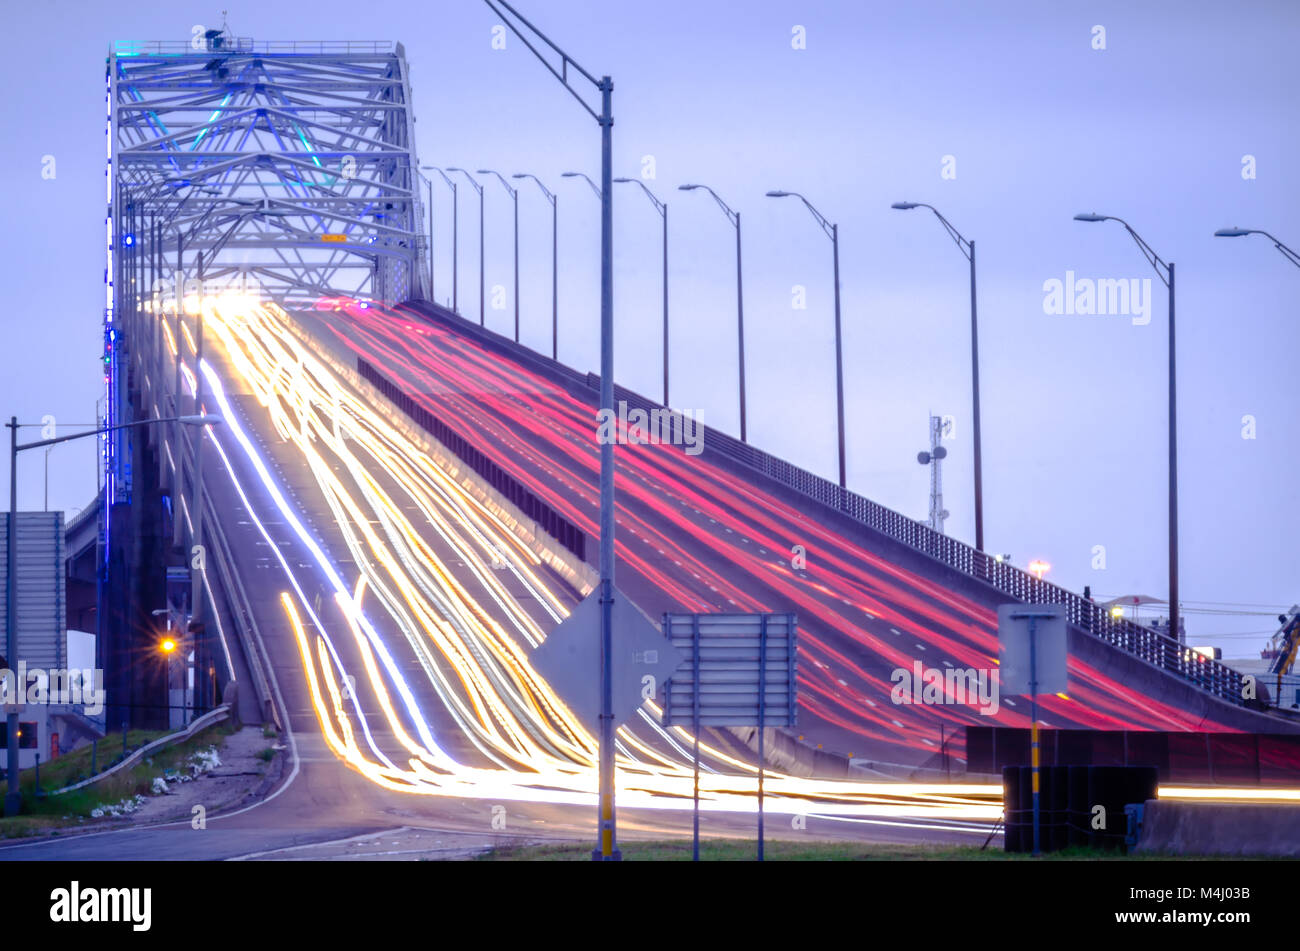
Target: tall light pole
pixel 455 238
pixel 967 249
pixel 555 273
pixel 428 188
pixel 833 232
pixel 1242 232
pixel 607 840
pixel 662 208
pixel 514 196
pixel 1166 274
pixel 734 218
pixel 482 320
pixel 13 796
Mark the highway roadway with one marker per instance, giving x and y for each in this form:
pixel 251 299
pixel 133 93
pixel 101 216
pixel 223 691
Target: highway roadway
pixel 695 537
pixel 397 613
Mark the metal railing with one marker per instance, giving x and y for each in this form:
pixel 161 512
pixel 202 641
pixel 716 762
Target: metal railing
pixel 244 44
pixel 1153 647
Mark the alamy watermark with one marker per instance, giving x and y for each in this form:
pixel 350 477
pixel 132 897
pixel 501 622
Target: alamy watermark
pixel 639 427
pixel 1122 297
pixel 963 686
pixel 38 686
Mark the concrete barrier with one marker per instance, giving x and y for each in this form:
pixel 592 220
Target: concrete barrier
pixel 1220 828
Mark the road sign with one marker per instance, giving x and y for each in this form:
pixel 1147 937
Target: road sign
pixel 1032 649
pixel 642 659
pixel 1050 630
pixel 732 686
pixel 739 671
pixel 334 238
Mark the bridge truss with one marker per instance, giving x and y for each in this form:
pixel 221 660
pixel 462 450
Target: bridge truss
pixel 284 170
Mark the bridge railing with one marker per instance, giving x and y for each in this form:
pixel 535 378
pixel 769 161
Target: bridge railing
pixel 243 44
pixel 1149 645
pixel 1144 643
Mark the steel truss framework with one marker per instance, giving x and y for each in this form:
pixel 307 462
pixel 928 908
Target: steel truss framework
pixel 291 165
pixel 285 170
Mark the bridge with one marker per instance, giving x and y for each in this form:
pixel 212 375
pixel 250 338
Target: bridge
pixel 399 505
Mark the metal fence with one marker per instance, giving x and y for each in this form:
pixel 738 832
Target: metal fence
pixel 245 44
pixel 1146 644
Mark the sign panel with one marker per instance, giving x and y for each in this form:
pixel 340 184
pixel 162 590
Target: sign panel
pixel 734 664
pixel 41 619
pixel 569 659
pixel 1050 630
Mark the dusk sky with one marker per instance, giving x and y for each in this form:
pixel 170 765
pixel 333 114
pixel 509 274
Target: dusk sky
pixel 1005 116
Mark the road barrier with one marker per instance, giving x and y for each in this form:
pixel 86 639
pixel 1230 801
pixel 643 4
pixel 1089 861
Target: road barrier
pixel 1156 648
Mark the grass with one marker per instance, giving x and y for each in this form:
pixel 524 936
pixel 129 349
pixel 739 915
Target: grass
pixel 266 755
pixel 269 733
pixel 48 814
pixel 782 850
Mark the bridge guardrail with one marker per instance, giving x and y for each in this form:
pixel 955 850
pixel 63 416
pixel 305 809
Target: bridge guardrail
pixel 1144 643
pixel 1153 647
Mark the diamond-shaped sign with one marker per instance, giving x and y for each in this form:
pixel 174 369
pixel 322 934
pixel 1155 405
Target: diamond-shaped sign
pixel 569 659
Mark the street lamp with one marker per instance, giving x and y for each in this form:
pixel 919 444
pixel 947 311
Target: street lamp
pixel 967 249
pixel 734 218
pixel 555 246
pixel 833 232
pixel 1166 274
pixel 478 188
pixel 13 797
pixel 455 257
pixel 600 196
pixel 662 208
pixel 1242 232
pixel 607 838
pixel 514 196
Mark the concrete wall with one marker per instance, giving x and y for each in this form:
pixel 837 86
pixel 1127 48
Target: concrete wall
pixel 1219 828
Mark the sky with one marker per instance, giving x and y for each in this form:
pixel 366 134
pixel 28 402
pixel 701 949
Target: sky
pixel 1009 117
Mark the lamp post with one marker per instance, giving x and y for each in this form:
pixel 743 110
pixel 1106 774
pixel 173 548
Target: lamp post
pixel 13 797
pixel 967 249
pixel 428 189
pixel 555 247
pixel 662 208
pixel 1242 232
pixel 832 232
pixel 607 839
pixel 455 257
pixel 1166 274
pixel 482 321
pixel 734 218
pixel 514 196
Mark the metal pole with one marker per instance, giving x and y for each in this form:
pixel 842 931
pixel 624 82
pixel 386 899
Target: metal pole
pixel 1033 719
pixel 178 460
pixel 482 319
pixel 695 702
pixel 740 328
pixel 975 406
pixel 47 479
pixel 1174 626
pixel 839 353
pixel 515 195
pixel 555 274
pixel 428 185
pixel 664 211
pixel 196 475
pixel 762 727
pixel 13 797
pixel 455 250
pixel 607 849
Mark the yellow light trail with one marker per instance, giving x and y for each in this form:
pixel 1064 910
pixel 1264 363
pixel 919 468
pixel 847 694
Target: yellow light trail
pixel 388 499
